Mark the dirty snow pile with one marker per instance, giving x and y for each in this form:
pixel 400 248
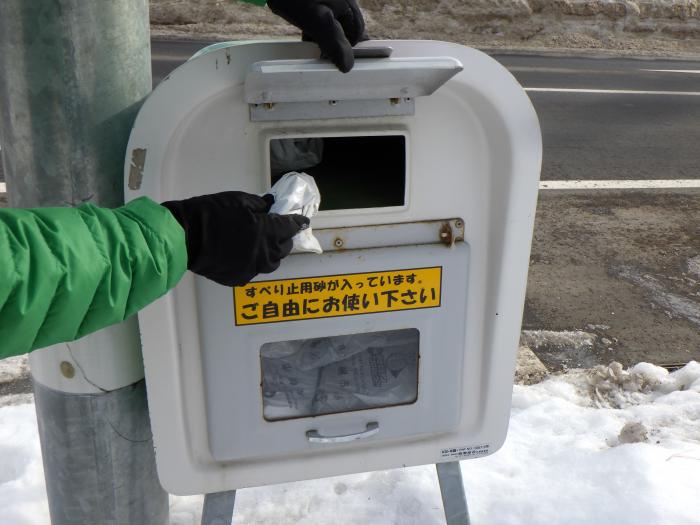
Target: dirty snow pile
pixel 656 27
pixel 598 446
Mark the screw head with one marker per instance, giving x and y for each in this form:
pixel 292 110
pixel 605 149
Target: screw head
pixel 338 243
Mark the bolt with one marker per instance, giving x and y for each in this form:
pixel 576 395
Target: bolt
pixel 67 369
pixel 338 243
pixel 333 102
pixel 458 224
pixel 446 234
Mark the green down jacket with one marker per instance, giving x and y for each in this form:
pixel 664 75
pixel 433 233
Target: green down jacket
pixel 66 272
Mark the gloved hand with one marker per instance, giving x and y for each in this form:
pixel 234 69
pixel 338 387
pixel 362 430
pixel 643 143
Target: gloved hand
pixel 231 237
pixel 335 25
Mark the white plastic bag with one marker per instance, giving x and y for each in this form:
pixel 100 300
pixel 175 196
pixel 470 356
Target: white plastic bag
pixel 324 375
pixel 297 193
pixel 374 378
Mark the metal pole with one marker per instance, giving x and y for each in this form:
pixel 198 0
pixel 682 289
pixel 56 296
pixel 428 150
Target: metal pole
pixel 454 499
pixel 72 76
pixel 218 508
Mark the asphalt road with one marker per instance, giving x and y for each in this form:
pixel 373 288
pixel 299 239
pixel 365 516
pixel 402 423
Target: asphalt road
pixel 601 136
pixel 589 136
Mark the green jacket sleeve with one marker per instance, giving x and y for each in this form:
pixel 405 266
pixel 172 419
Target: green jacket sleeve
pixel 66 272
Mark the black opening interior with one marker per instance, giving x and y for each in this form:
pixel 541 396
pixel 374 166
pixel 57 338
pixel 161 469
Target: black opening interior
pixel 351 172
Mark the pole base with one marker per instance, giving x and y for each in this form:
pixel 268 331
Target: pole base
pixel 98 458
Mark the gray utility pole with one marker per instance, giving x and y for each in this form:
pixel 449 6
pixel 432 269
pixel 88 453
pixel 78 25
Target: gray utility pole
pixel 73 73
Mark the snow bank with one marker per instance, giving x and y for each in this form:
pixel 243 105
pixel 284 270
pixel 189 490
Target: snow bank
pixel 22 492
pixel 614 24
pixel 566 461
pixel 14 369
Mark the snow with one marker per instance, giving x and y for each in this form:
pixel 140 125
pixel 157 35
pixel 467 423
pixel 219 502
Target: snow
pixel 567 461
pixel 13 368
pixel 674 305
pixel 694 266
pixel 22 492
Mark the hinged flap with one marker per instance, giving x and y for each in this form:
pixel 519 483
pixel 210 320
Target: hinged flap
pixel 371 79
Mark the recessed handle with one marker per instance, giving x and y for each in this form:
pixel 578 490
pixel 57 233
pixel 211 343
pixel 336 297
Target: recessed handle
pixel 314 437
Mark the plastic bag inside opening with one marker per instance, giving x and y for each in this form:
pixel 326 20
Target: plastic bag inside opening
pixel 311 377
pixel 294 154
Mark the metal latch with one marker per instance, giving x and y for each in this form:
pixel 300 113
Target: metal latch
pixel 447 232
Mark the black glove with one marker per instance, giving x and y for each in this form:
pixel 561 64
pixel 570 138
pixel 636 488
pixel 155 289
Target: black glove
pixel 335 25
pixel 231 237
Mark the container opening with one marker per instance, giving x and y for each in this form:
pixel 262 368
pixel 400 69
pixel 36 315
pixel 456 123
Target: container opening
pixel 328 375
pixel 351 172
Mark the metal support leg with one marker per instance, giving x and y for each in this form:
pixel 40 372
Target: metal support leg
pixel 218 508
pixel 454 498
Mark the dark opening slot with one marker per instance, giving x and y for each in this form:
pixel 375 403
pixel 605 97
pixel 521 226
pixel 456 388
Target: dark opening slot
pixel 353 172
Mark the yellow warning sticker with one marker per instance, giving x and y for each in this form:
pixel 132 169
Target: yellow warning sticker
pixel 337 295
